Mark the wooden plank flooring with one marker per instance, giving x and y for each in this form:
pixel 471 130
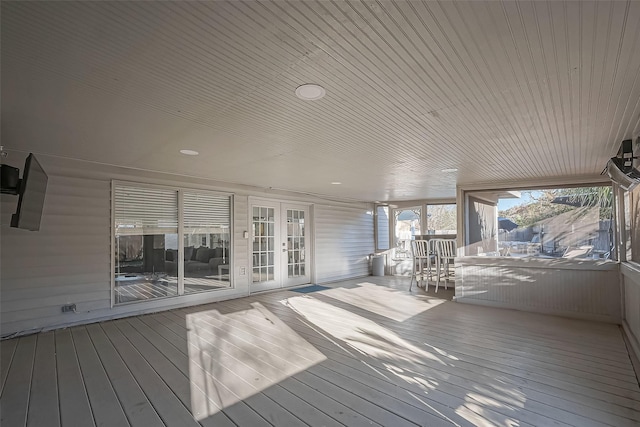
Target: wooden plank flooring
pixel 363 353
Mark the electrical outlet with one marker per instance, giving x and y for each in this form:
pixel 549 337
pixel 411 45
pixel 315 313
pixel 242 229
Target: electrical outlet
pixel 69 308
pixel 243 271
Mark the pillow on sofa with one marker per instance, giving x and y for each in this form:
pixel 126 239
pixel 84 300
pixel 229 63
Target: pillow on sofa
pixel 171 255
pixel 217 253
pixel 202 254
pixel 188 253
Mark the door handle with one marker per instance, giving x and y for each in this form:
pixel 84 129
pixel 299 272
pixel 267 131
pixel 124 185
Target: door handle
pixel 284 250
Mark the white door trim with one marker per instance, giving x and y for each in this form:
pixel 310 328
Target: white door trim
pixel 280 257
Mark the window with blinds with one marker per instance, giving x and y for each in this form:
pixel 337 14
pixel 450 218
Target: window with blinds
pixel 207 239
pixel 150 261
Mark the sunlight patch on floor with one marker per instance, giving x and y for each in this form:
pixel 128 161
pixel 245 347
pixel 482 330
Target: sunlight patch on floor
pixel 471 411
pixel 495 405
pixel 491 405
pixel 360 333
pixel 234 356
pixel 381 300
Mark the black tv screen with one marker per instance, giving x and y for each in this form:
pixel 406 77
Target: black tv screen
pixel 31 196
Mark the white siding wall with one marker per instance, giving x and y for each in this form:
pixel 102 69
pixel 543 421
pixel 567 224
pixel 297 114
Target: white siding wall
pixel 69 259
pixel 564 287
pixel 343 241
pixel 631 322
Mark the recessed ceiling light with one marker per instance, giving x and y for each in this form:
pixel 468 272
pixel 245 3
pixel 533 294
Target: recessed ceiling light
pixel 189 152
pixel 310 92
pixel 336 183
pixel 449 170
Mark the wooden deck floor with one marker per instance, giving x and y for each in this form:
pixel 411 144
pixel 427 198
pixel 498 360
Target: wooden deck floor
pixel 362 353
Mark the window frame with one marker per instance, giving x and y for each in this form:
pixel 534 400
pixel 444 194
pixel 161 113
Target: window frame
pixel 478 191
pixel 426 217
pixel 376 227
pixel 180 195
pixel 392 226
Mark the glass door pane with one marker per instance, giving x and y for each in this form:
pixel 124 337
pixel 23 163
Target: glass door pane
pixel 207 242
pixel 295 264
pixel 295 243
pixel 264 235
pixel 146 233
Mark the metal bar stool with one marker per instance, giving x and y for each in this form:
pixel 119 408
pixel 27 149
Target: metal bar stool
pixel 446 254
pixel 421 259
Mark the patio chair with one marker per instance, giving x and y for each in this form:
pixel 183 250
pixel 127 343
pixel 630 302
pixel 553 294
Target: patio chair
pixel 421 260
pixel 446 254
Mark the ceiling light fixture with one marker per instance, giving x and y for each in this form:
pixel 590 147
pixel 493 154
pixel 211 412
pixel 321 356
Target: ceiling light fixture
pixel 449 170
pixel 310 92
pixel 336 183
pixel 189 152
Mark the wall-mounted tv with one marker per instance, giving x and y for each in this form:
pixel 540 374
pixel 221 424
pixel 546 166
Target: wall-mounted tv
pixel 32 189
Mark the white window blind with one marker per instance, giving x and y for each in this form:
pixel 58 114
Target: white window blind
pixel 208 213
pixel 140 210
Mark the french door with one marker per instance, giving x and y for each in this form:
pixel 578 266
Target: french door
pixel 280 245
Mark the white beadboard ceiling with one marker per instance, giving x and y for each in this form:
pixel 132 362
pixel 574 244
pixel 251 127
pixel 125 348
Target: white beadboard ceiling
pixel 502 91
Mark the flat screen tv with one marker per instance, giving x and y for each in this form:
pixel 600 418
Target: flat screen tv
pixel 33 187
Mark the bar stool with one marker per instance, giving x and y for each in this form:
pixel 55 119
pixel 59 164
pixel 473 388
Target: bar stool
pixel 421 259
pixel 446 254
